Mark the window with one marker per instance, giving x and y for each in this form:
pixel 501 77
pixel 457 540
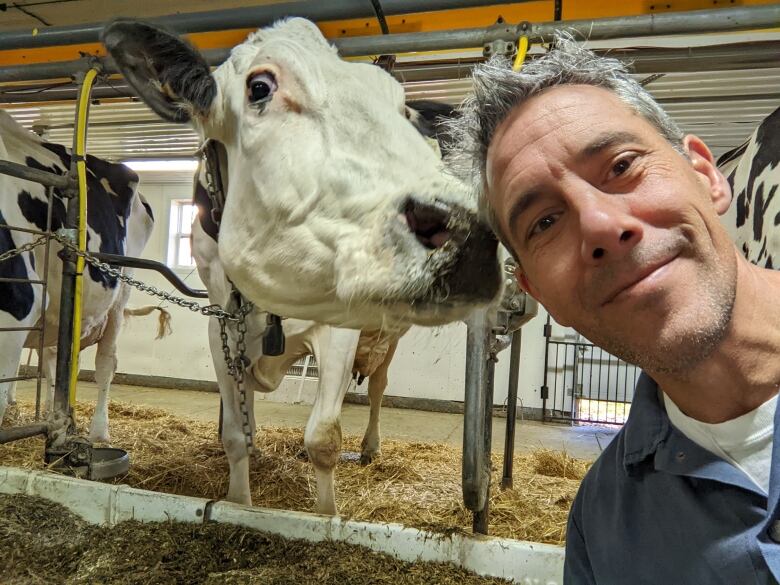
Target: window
pixel 183 212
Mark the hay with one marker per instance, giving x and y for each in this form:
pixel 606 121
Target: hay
pixel 416 484
pixel 45 543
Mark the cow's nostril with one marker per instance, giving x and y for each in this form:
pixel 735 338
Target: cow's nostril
pixel 428 222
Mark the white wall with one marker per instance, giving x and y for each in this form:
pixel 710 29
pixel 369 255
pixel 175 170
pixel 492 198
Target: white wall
pixel 429 363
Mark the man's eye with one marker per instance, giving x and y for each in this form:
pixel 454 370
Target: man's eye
pixel 543 224
pixel 621 166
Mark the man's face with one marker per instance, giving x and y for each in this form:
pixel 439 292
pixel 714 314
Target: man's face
pixel 616 232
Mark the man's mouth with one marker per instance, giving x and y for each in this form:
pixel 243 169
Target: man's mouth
pixel 648 273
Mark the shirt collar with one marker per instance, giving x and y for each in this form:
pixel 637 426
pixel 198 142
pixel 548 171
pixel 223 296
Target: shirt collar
pixel 647 425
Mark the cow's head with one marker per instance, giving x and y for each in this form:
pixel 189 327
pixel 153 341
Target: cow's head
pixel 337 208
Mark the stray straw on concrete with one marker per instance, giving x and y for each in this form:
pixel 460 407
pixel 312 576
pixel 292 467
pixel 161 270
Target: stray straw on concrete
pixel 415 484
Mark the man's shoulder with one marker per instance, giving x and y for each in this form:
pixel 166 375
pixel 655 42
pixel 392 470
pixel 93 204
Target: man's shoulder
pixel 605 475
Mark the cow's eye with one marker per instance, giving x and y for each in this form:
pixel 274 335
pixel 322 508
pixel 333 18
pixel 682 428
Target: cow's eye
pixel 260 87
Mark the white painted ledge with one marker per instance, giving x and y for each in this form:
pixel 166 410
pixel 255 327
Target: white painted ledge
pixel 527 563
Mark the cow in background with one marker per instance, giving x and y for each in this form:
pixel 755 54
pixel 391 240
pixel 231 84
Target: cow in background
pixel 753 171
pixel 106 366
pixel 119 221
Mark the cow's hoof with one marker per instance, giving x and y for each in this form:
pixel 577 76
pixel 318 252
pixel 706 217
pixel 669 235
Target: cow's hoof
pixel 327 509
pixel 239 499
pixel 99 437
pixel 368 457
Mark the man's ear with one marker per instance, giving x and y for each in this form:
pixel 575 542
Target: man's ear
pixel 704 163
pixel 525 284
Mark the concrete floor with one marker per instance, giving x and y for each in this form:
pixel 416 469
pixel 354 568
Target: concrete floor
pixel 579 441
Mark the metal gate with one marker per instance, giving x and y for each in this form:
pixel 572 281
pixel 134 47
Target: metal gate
pixel 584 383
pixel 41 238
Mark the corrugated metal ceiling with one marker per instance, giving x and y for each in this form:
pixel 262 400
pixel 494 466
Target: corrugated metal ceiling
pixel 721 107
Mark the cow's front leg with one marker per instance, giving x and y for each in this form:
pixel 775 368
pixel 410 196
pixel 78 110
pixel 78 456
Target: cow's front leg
pixel 335 352
pixel 233 436
pixel 49 364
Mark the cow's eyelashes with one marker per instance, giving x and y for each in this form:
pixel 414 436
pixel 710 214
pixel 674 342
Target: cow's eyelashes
pixel 260 87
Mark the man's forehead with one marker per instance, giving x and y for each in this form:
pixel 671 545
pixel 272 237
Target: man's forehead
pixel 559 106
pixel 566 113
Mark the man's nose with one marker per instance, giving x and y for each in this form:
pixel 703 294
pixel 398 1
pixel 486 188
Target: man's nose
pixel 609 230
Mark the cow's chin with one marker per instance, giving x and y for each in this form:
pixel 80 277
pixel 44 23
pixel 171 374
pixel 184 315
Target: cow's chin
pixel 385 315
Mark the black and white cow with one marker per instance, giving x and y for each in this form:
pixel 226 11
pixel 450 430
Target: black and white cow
pixel 753 171
pixel 337 210
pixel 119 221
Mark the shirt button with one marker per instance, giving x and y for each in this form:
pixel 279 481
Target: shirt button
pixel 774 531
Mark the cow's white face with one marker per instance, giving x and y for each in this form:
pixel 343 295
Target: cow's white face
pixel 337 208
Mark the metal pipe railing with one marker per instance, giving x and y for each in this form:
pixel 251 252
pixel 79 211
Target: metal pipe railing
pixel 18 433
pixel 670 23
pixel 163 269
pixel 733 56
pixel 237 18
pixel 29 174
pixel 646 60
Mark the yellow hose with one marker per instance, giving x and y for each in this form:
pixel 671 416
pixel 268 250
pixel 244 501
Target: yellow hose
pixel 81 168
pixel 522 49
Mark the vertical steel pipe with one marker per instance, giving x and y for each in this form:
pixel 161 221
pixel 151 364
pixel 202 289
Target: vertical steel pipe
pixel 511 409
pixel 478 402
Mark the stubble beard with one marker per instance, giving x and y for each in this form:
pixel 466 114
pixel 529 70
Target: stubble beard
pixel 690 334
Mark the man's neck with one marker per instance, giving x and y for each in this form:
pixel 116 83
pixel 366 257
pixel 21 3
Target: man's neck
pixel 743 372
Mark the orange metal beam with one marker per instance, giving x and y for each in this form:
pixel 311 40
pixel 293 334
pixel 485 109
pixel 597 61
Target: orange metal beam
pixel 538 11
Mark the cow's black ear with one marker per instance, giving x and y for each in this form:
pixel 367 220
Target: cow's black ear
pixel 430 118
pixel 168 73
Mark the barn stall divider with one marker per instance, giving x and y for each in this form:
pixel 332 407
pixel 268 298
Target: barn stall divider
pixel 482 330
pixel 65 450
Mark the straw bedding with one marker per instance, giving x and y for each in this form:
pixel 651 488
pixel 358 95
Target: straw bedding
pixel 416 484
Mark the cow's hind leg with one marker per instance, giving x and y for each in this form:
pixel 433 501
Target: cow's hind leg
pixel 370 448
pixel 335 352
pixel 105 367
pixel 10 354
pixel 20 305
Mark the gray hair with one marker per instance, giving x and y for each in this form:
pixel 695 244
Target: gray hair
pixel 497 90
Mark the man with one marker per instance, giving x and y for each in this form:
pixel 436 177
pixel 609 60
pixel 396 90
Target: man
pixel 612 215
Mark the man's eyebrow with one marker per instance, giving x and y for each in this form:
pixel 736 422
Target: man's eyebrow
pixel 521 204
pixel 607 140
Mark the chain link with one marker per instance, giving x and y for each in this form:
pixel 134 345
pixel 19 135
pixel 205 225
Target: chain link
pixel 236 366
pixel 13 252
pixel 195 307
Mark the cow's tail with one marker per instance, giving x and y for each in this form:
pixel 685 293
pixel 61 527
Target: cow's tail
pixel 163 321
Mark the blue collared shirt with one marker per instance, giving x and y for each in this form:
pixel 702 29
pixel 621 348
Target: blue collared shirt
pixel 658 509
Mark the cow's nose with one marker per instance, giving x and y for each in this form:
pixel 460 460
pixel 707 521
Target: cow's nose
pixel 428 222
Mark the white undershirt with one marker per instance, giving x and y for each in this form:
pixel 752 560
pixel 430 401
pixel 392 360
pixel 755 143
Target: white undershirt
pixel 745 442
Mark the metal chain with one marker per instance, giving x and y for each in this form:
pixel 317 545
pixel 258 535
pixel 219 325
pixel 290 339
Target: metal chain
pixel 237 368
pixel 13 252
pixel 195 307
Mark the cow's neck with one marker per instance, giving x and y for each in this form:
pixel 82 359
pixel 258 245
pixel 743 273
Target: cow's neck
pixel 216 165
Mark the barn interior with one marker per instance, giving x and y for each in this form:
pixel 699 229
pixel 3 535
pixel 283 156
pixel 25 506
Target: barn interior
pixel 716 80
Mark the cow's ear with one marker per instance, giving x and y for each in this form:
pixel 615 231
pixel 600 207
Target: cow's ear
pixel 431 120
pixel 168 73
